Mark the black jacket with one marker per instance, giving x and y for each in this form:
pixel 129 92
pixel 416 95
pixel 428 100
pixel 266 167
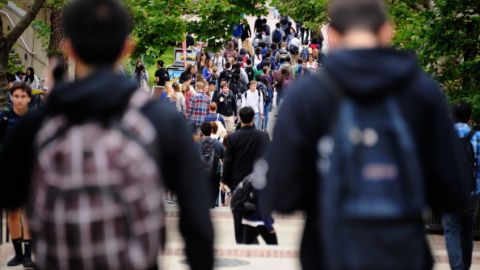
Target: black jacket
pixel 101 96
pixel 226 104
pixel 243 148
pixel 306 115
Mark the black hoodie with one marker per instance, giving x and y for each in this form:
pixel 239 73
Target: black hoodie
pixel 101 96
pixel 308 112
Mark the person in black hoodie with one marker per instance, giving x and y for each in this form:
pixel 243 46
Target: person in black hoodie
pixel 96 36
pixel 363 67
pixel 242 149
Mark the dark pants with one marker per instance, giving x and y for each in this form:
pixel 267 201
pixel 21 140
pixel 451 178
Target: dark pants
pixel 459 236
pixel 239 227
pixel 250 235
pixel 215 189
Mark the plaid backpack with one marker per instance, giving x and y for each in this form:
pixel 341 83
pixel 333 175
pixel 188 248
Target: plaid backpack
pixel 97 193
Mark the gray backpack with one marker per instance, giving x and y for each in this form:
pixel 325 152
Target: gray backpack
pixel 97 193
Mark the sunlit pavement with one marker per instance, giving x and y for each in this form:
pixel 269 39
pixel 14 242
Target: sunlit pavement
pixel 239 257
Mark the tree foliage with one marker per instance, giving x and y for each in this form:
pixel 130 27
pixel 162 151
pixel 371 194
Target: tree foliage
pixel 445 34
pixel 216 18
pixel 313 13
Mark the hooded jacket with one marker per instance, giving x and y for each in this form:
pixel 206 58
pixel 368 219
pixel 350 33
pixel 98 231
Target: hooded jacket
pixel 101 96
pixel 310 109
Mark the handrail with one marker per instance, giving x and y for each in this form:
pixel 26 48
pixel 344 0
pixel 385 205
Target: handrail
pixel 21 38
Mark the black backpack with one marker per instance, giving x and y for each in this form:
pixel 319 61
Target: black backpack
pixel 267 94
pixel 250 73
pixel 372 195
pixel 470 161
pixel 209 158
pixel 244 198
pixel 277 36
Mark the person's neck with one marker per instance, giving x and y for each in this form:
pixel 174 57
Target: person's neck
pixel 247 125
pixel 20 112
pixel 83 70
pixel 359 39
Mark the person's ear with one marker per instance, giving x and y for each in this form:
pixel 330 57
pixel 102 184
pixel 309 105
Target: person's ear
pixel 128 48
pixel 386 34
pixel 334 38
pixel 68 50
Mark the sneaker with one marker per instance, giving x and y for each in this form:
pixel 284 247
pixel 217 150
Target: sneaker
pixel 28 263
pixel 17 260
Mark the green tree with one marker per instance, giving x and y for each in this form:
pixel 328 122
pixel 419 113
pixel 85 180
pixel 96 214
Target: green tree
pixel 216 18
pixel 313 13
pixel 8 40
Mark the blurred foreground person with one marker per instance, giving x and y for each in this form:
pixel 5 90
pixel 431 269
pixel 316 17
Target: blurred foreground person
pixel 358 155
pixel 97 157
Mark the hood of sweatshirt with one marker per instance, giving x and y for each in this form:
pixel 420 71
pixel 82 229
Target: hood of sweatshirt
pixel 369 73
pixel 99 96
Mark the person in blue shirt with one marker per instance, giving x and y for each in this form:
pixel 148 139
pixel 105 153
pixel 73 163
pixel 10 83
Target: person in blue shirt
pixel 459 227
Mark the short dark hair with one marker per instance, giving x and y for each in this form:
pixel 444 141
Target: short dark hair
pixel 97 29
pixel 346 15
pixel 160 63
pixel 462 112
pixel 249 61
pixel 206 129
pixel 246 115
pixel 23 86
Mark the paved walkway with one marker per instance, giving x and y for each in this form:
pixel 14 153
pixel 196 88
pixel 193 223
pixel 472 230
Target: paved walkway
pixel 231 256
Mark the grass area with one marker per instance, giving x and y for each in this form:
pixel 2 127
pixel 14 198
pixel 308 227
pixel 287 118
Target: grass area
pixel 168 58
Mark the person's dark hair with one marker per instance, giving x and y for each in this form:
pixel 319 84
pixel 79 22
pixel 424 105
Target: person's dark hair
pixel 264 20
pixel 214 127
pixel 246 115
pixel 236 76
pixel 268 54
pixel 21 86
pixel 264 79
pixel 160 63
pixel 462 112
pixel 346 15
pixel 206 129
pixel 249 61
pixel 299 61
pixel 30 76
pixel 227 65
pixel 265 69
pixel 97 29
pixel 277 25
pixel 236 67
pixel 288 59
pixel 273 46
pixel 258 50
pixel 188 77
pixel 212 83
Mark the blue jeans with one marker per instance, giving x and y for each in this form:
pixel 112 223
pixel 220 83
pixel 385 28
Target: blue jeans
pixel 266 111
pixel 459 235
pixel 257 121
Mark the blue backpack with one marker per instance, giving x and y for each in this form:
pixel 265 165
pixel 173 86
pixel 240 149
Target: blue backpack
pixel 277 36
pixel 238 30
pixel 371 194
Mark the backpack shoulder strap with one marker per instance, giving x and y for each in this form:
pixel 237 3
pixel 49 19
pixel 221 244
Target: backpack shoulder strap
pixel 470 134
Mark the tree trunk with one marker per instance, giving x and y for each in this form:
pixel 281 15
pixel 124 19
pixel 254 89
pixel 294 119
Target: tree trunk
pixel 56 37
pixel 8 41
pixel 3 67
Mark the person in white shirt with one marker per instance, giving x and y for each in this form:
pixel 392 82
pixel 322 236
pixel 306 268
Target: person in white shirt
pixel 295 41
pixel 219 62
pixel 254 98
